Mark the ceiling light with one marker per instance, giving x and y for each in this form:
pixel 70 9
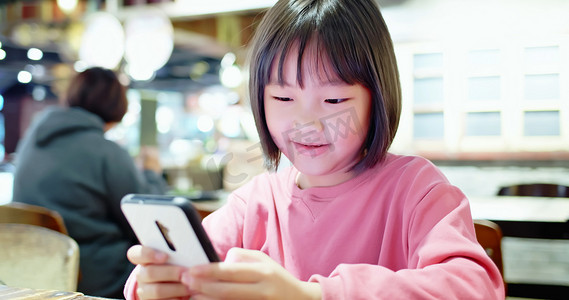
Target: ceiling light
pixel 228 60
pixel 231 76
pixel 39 93
pixel 149 41
pixel 67 6
pixel 24 77
pixel 103 41
pixel 35 54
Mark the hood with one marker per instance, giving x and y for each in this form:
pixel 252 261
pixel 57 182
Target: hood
pixel 63 121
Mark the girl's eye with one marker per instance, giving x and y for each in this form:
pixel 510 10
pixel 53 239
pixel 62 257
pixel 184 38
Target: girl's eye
pixel 335 101
pixel 283 98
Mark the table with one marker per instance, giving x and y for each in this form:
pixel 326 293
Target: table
pixel 17 293
pixel 535 242
pixel 517 208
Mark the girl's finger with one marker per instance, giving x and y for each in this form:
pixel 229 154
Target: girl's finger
pixel 162 291
pixel 160 273
pixel 228 290
pixel 140 255
pixel 235 272
pixel 245 255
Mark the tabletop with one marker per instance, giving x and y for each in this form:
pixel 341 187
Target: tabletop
pixel 517 208
pixel 535 243
pixel 17 293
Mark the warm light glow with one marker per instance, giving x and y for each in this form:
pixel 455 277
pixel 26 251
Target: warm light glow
pixel 149 41
pixel 199 69
pixel 228 60
pixel 183 150
pixel 129 118
pixel 24 77
pixel 6 182
pixel 39 93
pixel 80 66
pixel 38 71
pixel 103 41
pixel 139 72
pixel 231 76
pixel 230 123
pixel 164 119
pixel 67 6
pixel 185 8
pixel 205 124
pixel 116 133
pixel 180 146
pixel 134 107
pixel 213 102
pixel 132 115
pixel 35 54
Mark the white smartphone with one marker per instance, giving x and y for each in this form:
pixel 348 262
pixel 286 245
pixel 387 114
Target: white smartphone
pixel 169 224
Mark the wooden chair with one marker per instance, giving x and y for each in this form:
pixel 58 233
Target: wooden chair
pixel 37 257
pixel 535 190
pixel 21 213
pixel 489 236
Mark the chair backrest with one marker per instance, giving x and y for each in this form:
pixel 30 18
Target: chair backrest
pixel 536 190
pixel 37 257
pixel 489 236
pixel 21 213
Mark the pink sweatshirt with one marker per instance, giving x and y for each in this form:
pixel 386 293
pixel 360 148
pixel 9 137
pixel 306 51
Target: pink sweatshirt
pixel 397 231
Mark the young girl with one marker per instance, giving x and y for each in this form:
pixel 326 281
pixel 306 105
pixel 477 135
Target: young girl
pixel 348 220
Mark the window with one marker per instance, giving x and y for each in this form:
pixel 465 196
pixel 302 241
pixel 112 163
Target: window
pixel 541 123
pixel 541 86
pixel 428 126
pixel 484 88
pixel 428 96
pixel 428 90
pixel 483 124
pixel 500 96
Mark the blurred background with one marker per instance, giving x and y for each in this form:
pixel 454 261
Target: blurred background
pixel 485 93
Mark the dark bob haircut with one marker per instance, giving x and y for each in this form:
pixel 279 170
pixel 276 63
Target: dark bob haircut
pixel 352 36
pixel 98 91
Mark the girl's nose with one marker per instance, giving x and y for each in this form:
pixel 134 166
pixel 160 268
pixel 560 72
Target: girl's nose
pixel 305 124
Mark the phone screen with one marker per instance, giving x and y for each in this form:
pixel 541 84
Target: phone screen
pixel 169 224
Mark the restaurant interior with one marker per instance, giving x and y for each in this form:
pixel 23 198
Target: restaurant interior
pixel 485 98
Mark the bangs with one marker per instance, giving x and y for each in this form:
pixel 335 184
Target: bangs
pixel 317 59
pixel 326 48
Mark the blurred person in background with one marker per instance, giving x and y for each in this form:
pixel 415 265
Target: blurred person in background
pixel 65 163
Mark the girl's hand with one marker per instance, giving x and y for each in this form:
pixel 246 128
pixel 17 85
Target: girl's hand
pixel 156 279
pixel 247 274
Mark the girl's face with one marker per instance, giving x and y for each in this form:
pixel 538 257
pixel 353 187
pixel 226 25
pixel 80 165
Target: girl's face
pixel 321 126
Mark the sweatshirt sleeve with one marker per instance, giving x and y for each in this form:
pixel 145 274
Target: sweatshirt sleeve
pixel 131 285
pixel 225 225
pixel 444 259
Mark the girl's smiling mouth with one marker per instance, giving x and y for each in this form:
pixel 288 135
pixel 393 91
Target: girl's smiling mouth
pixel 311 150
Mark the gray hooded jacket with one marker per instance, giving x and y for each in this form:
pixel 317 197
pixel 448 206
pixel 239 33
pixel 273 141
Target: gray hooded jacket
pixel 65 163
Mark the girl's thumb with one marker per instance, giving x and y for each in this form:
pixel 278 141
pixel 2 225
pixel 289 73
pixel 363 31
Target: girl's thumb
pixel 245 255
